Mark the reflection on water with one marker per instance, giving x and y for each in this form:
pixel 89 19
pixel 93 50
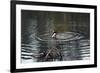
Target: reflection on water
pixel 37 44
pixel 75 48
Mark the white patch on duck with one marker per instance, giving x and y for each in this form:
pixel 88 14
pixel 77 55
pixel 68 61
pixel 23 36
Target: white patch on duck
pixel 54 35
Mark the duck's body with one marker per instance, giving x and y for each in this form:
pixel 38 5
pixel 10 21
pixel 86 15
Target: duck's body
pixel 54 35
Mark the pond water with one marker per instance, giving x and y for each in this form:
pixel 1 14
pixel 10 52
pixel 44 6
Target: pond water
pixel 72 41
pixel 73 46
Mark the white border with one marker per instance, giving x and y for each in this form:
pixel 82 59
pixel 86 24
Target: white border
pixel 52 64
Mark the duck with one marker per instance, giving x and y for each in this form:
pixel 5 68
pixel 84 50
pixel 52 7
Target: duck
pixel 54 34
